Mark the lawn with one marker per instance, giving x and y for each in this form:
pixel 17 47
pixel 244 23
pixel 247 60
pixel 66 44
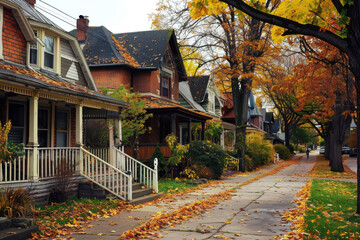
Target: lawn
pixel 174 185
pixel 322 169
pixel 331 211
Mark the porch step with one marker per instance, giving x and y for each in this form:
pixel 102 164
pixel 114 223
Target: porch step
pixel 141 192
pixel 144 199
pixel 16 229
pixel 91 190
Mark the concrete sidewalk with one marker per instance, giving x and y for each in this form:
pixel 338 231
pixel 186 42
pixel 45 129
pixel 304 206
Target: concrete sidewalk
pixel 262 201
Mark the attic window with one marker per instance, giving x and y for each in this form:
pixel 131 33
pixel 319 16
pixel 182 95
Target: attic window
pixel 49 52
pixel 168 60
pixel 165 82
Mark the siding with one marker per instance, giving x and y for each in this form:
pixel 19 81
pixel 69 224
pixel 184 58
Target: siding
pixel 70 67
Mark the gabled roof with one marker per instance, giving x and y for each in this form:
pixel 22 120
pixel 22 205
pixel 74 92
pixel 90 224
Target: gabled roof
pixel 141 50
pixel 184 91
pixel 33 14
pixel 198 86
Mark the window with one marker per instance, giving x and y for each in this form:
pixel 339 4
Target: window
pixel 165 87
pixel 17 118
pixel 49 52
pixel 43 127
pixel 34 51
pixel 61 128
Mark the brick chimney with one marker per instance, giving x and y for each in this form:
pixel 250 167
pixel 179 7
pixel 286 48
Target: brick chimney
pixel 82 25
pixel 31 2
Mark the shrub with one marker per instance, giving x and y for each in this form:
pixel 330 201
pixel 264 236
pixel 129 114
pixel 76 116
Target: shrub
pixel 162 168
pixel 204 155
pixel 189 174
pixel 283 151
pixel 15 203
pixel 249 166
pixel 261 151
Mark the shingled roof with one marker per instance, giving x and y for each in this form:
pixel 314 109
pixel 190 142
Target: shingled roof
pixel 198 86
pixel 141 50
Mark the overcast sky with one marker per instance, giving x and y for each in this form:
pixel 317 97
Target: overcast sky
pixel 117 15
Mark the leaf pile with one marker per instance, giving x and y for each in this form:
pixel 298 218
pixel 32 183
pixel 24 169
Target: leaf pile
pixel 64 218
pixel 161 220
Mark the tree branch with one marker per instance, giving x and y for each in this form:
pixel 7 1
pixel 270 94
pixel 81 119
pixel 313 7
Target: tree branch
pixel 292 26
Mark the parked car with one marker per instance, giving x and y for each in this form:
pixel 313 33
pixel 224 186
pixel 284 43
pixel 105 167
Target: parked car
pixel 322 150
pixel 345 150
pixel 353 152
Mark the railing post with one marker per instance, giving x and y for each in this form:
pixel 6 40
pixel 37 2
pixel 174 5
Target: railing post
pixel 130 187
pixel 156 175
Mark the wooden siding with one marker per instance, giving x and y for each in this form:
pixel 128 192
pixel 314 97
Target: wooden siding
pixel 70 67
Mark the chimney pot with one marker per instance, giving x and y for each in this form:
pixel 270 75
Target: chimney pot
pixel 82 25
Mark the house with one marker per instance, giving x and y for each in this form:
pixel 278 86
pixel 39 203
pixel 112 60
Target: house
pixel 201 94
pixel 147 62
pixel 48 92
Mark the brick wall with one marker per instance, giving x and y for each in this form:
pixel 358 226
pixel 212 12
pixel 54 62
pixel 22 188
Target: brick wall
pixel 14 44
pixel 111 77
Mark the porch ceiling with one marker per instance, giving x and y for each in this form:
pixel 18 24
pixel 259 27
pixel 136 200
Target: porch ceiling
pixel 92 113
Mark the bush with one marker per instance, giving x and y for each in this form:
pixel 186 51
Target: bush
pixel 249 166
pixel 15 203
pixel 261 151
pixel 162 168
pixel 283 151
pixel 206 158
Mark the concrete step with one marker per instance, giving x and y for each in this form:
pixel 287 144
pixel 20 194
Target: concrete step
pixel 4 223
pixel 144 199
pixel 141 192
pixel 15 233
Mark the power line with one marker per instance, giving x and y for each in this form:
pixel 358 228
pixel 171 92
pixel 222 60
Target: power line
pixel 57 9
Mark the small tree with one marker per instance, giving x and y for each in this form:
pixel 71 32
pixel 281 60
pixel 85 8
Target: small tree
pixel 133 118
pixel 8 150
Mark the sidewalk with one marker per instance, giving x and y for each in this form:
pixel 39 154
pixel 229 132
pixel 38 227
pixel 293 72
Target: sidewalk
pixel 260 202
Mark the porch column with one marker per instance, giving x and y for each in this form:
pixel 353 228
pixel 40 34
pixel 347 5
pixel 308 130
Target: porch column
pixel 118 140
pixel 202 130
pixel 111 144
pixel 79 135
pixel 173 124
pixel 222 138
pixel 33 138
pixel 189 132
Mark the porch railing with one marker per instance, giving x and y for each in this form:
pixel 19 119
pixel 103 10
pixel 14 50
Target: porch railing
pixel 107 176
pixel 57 161
pixel 234 161
pixel 17 170
pixel 102 153
pixel 139 171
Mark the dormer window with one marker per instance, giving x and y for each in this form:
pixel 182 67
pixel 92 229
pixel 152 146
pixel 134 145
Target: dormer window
pixel 165 83
pixel 34 51
pixel 49 52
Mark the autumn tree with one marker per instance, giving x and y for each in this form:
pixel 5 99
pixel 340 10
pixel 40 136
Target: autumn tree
pixel 335 22
pixel 231 44
pixel 133 118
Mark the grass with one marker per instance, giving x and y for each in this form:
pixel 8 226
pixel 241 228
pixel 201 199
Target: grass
pixel 177 185
pixel 322 169
pixel 331 211
pixel 83 209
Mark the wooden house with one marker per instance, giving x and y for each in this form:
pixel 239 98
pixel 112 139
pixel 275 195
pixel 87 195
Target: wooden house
pixel 148 62
pixel 47 92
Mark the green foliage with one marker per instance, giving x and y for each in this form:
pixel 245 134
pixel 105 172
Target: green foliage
pixel 331 208
pixel 177 185
pixel 8 150
pixel 15 203
pixel 249 164
pixel 178 151
pixel 213 130
pixel 162 168
pixel 207 154
pixel 134 117
pixel 283 151
pixel 261 151
pixel 196 131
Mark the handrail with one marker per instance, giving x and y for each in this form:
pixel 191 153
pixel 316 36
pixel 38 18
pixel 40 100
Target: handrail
pixel 139 171
pixel 236 160
pixel 105 175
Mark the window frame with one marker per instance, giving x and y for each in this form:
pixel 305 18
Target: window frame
pixel 34 47
pixel 24 127
pixel 57 130
pixel 49 53
pixel 45 129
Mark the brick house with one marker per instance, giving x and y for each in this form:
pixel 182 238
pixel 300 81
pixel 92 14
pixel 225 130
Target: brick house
pixel 47 92
pixel 148 62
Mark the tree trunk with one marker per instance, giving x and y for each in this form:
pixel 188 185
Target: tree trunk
pixel 358 147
